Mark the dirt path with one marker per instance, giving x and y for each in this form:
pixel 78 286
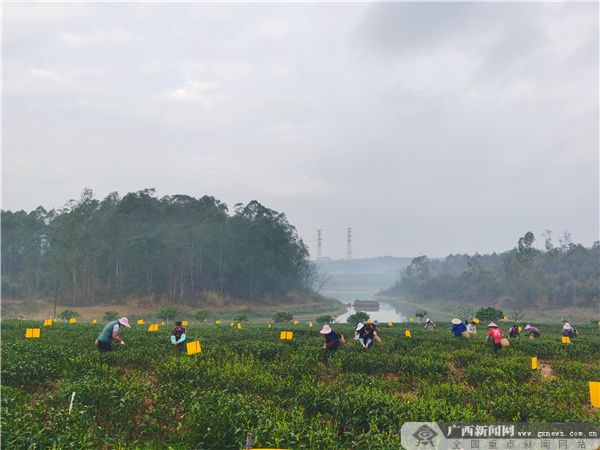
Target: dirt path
pixel 546 371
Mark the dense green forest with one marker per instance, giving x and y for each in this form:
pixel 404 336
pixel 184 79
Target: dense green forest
pixel 176 247
pixel 557 276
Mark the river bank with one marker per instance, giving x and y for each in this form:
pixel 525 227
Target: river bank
pixel 439 310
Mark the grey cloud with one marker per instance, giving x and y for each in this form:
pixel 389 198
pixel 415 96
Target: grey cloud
pixel 426 127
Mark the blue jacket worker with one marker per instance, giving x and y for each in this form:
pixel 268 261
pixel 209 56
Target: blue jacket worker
pixel 332 340
pixel 458 327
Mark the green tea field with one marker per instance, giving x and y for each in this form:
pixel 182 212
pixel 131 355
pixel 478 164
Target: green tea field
pixel 286 393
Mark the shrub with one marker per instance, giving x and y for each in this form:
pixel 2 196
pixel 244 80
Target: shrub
pixel 359 316
pixel 201 315
pixel 68 314
pixel 489 314
pixel 168 313
pixel 420 313
pixel 321 320
pixel 282 316
pixel 240 317
pixel 110 315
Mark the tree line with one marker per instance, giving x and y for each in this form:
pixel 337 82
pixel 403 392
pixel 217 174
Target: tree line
pixel 561 275
pixel 176 247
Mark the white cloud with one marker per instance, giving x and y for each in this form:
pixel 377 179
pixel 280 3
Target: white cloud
pixel 43 12
pixel 273 29
pixel 197 91
pixel 229 70
pixel 280 69
pixel 45 74
pixel 202 86
pixel 98 37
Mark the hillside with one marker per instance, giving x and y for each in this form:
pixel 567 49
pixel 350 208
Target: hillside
pixel 176 248
pixel 565 276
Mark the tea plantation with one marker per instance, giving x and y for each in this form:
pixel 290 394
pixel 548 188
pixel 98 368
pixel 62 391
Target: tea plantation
pixel 286 393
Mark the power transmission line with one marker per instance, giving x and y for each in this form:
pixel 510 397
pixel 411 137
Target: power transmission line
pixel 319 244
pixel 349 243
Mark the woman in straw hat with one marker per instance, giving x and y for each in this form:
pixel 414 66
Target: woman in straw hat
pixel 569 331
pixel 532 332
pixel 495 332
pixel 332 340
pixel 110 333
pixel 364 334
pixel 429 324
pixel 458 327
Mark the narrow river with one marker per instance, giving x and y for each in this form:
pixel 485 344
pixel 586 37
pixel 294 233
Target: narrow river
pixel 388 312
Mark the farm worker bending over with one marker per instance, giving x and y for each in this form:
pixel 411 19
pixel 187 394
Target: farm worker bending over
pixel 496 334
pixel 364 336
pixel 430 324
pixel 372 330
pixel 532 332
pixel 178 336
pixel 514 331
pixel 110 333
pixel 472 328
pixel 332 341
pixel 458 327
pixel 568 330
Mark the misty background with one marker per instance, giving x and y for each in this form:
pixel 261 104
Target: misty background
pixel 428 128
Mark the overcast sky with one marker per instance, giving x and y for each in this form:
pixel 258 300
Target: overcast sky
pixel 427 128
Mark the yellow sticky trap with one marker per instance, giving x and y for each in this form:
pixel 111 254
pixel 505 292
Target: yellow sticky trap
pixel 48 322
pixel 72 320
pixel 566 340
pixel 217 322
pixel 407 333
pixel 595 393
pixel 94 322
pixel 140 322
pixel 185 323
pixel 411 319
pixel 286 335
pixel 534 363
pixel 296 322
pixel 239 326
pixel 32 333
pixel 390 324
pixel 309 324
pixel 153 328
pixel 520 328
pixel 232 324
pixel 193 347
